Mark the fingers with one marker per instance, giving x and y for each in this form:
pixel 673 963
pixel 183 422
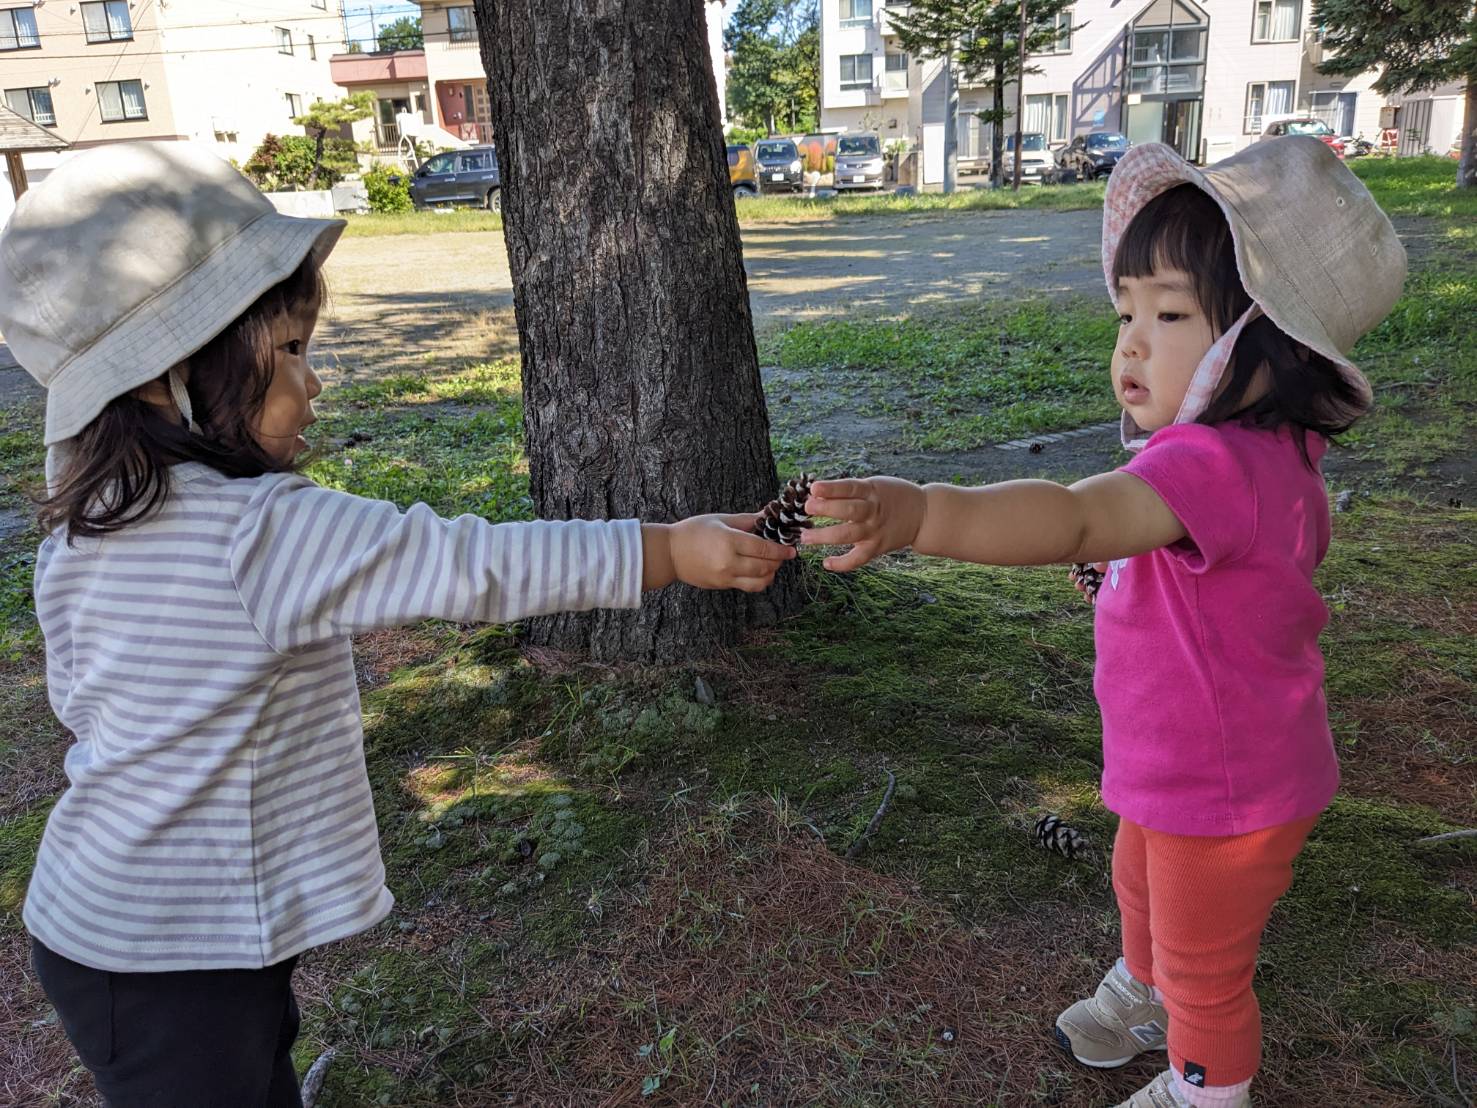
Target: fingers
pixel 854 510
pixel 838 490
pixel 858 556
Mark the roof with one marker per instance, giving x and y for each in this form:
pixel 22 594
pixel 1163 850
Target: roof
pixel 17 134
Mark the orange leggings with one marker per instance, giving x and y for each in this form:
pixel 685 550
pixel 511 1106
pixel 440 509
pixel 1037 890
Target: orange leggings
pixel 1194 909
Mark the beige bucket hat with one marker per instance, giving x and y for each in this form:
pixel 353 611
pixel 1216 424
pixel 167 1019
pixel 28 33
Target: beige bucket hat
pixel 127 259
pixel 1316 253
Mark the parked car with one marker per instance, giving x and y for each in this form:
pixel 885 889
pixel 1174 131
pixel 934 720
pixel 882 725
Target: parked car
pixel 458 177
pixel 1304 125
pixel 780 167
pixel 1093 154
pixel 858 161
pixel 1036 159
pixel 743 172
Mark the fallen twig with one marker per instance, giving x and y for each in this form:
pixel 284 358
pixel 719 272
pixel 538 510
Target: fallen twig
pixel 856 847
pixel 1470 832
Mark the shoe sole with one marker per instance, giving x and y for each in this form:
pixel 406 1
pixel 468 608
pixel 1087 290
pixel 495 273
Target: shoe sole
pixel 1063 1041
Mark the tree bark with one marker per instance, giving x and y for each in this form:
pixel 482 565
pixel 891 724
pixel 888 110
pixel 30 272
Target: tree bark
pixel 1466 171
pixel 997 132
pixel 641 388
pixel 951 124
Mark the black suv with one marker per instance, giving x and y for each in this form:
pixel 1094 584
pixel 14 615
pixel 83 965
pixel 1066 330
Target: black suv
pixel 779 165
pixel 458 177
pixel 1093 154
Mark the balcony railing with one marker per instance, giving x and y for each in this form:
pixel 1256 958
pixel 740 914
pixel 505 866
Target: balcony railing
pixel 895 82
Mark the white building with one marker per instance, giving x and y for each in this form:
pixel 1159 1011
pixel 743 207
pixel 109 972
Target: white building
pixel 213 72
pixel 1199 76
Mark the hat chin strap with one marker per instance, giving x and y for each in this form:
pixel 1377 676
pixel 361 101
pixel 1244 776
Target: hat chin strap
pixel 1203 383
pixel 181 397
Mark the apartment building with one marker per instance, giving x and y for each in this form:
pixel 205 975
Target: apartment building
pixel 458 82
pixel 1201 77
pixel 214 72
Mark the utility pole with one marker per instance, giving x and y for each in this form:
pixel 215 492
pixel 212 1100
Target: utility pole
pixel 1020 98
pixel 951 124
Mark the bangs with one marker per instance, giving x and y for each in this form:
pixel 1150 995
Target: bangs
pixel 1184 229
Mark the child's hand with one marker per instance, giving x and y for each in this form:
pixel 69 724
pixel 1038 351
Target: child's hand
pixel 711 552
pixel 880 514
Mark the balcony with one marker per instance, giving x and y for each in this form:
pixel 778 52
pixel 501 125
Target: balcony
pixel 884 17
pixel 1313 48
pixel 894 83
pixel 348 70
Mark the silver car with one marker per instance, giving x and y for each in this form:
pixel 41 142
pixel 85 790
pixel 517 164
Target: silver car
pixel 858 162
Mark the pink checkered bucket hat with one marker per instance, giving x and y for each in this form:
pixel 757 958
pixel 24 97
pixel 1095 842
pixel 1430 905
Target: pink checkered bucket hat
pixel 1315 252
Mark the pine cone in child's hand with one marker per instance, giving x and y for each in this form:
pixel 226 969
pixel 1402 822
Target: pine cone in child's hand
pixel 1059 837
pixel 784 518
pixel 1089 577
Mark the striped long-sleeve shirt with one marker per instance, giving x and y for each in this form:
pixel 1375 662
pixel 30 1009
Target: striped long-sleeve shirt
pixel 218 813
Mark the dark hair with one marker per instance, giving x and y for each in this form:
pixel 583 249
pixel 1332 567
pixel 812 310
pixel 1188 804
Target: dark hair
pixel 1185 229
pixel 117 468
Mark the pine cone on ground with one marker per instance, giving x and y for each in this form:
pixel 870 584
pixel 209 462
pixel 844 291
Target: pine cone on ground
pixel 785 517
pixel 1059 837
pixel 1089 577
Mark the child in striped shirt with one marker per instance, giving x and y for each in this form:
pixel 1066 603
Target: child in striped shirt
pixel 197 599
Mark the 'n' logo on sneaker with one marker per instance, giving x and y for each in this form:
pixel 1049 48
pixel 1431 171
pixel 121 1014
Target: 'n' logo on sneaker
pixel 1148 1033
pixel 1194 1074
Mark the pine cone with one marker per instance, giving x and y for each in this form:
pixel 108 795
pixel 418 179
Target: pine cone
pixel 1059 837
pixel 1089 577
pixel 784 518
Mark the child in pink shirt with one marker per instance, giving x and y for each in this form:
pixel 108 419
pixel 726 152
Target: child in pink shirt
pixel 1241 289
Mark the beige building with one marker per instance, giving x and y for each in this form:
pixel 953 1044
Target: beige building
pixel 458 82
pixel 1203 77
pixel 214 72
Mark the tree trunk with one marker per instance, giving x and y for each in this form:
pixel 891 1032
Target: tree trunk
pixel 1466 172
pixel 997 132
pixel 317 159
pixel 1020 100
pixel 641 387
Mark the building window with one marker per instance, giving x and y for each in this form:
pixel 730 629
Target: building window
pixel 321 5
pixel 461 24
pixel 1062 23
pixel 856 13
pixel 33 103
pixel 1266 100
pixel 284 41
pixel 1046 114
pixel 107 22
pixel 856 70
pixel 294 105
pixel 1276 21
pixel 18 29
pixel 312 48
pixel 895 73
pixel 1168 60
pixel 120 100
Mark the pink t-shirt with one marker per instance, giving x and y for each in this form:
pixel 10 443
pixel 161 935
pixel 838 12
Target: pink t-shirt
pixel 1208 669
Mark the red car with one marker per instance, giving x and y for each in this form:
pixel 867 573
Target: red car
pixel 1305 125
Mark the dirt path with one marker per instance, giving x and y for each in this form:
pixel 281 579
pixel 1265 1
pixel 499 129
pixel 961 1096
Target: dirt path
pixel 454 297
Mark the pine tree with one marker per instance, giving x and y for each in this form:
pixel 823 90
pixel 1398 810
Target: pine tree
pixel 327 117
pixel 978 41
pixel 1416 44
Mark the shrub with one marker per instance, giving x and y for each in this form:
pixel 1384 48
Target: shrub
pixel 285 163
pixel 386 195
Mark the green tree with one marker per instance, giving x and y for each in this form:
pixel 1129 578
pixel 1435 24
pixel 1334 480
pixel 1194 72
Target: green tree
pixel 775 72
pixel 286 163
pixel 1416 45
pixel 978 41
pixel 403 34
pixel 331 116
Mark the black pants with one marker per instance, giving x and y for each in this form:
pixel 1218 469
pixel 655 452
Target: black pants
pixel 181 1039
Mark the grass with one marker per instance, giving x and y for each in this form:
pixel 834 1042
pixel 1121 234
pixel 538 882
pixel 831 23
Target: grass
pixel 619 886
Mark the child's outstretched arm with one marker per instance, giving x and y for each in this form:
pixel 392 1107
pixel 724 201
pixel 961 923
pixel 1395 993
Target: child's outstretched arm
pixel 1111 515
pixel 312 564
